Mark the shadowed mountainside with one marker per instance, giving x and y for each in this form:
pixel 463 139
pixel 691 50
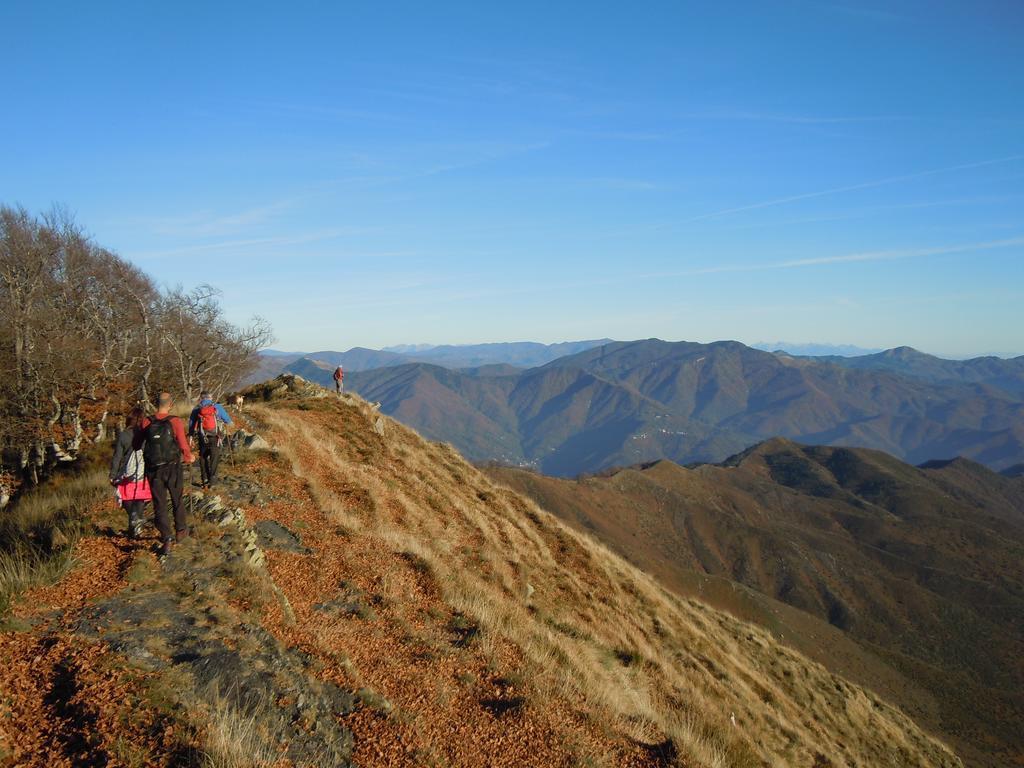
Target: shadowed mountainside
pixel 629 402
pixel 394 606
pixel 923 568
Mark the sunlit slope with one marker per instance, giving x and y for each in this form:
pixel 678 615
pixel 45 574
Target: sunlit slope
pixel 593 633
pixel 921 568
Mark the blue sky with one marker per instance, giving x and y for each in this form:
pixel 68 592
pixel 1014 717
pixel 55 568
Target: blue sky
pixel 380 173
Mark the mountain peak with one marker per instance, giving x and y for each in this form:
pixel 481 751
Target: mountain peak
pixel 904 353
pixel 758 451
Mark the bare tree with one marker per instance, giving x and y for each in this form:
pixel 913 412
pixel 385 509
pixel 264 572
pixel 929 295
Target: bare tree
pixel 209 352
pixel 86 336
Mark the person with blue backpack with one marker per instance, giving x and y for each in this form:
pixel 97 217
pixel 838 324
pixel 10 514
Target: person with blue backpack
pixel 206 425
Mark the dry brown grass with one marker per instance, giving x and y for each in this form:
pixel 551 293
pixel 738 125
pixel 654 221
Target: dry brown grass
pixel 594 630
pixel 38 533
pixel 234 739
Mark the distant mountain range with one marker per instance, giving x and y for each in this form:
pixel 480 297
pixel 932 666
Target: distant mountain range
pixel 814 350
pixel 921 570
pixel 621 403
pixel 629 402
pixel 1005 374
pixel 520 354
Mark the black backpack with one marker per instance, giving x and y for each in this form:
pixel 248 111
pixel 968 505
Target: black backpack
pixel 160 446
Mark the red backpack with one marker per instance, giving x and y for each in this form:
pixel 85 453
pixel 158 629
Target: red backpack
pixel 208 419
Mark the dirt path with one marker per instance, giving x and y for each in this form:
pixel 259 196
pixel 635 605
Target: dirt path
pixel 65 701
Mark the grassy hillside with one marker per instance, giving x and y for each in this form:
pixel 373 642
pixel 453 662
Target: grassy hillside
pixel 394 606
pixel 920 569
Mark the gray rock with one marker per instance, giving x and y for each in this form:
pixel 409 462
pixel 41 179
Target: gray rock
pixel 272 535
pixel 256 443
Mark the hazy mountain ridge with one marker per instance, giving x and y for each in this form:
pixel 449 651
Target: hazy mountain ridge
pixel 522 354
pixel 525 354
pixel 810 349
pixel 1002 373
pixel 626 402
pixel 921 567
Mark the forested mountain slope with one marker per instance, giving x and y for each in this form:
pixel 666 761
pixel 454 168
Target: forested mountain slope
pixel 629 402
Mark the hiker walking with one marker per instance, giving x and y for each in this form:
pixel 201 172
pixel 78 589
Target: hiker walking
pixel 164 446
pixel 128 475
pixel 339 379
pixel 205 424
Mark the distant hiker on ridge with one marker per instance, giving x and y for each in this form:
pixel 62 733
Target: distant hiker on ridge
pixel 205 425
pixel 339 379
pixel 128 474
pixel 164 445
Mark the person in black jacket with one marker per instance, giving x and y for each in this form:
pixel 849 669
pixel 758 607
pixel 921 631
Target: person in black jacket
pixel 161 437
pixel 128 475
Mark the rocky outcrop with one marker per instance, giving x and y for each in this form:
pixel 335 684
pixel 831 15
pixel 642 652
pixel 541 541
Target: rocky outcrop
pixel 243 440
pixel 285 385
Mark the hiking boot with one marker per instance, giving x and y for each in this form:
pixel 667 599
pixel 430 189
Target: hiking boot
pixel 165 550
pixel 135 531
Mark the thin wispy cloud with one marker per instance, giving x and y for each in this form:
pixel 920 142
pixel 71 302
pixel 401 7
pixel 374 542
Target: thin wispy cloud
pixel 228 245
pixel 851 188
pixel 797 119
pixel 463 156
pixel 890 255
pixel 210 224
pixel 620 135
pixel 451 88
pixel 874 210
pixel 322 112
pixel 487 155
pixel 534 288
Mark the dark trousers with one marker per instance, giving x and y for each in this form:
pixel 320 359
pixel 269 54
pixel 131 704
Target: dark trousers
pixel 209 453
pixel 167 480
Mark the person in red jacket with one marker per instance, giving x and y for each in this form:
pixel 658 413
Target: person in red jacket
pixel 164 446
pixel 339 379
